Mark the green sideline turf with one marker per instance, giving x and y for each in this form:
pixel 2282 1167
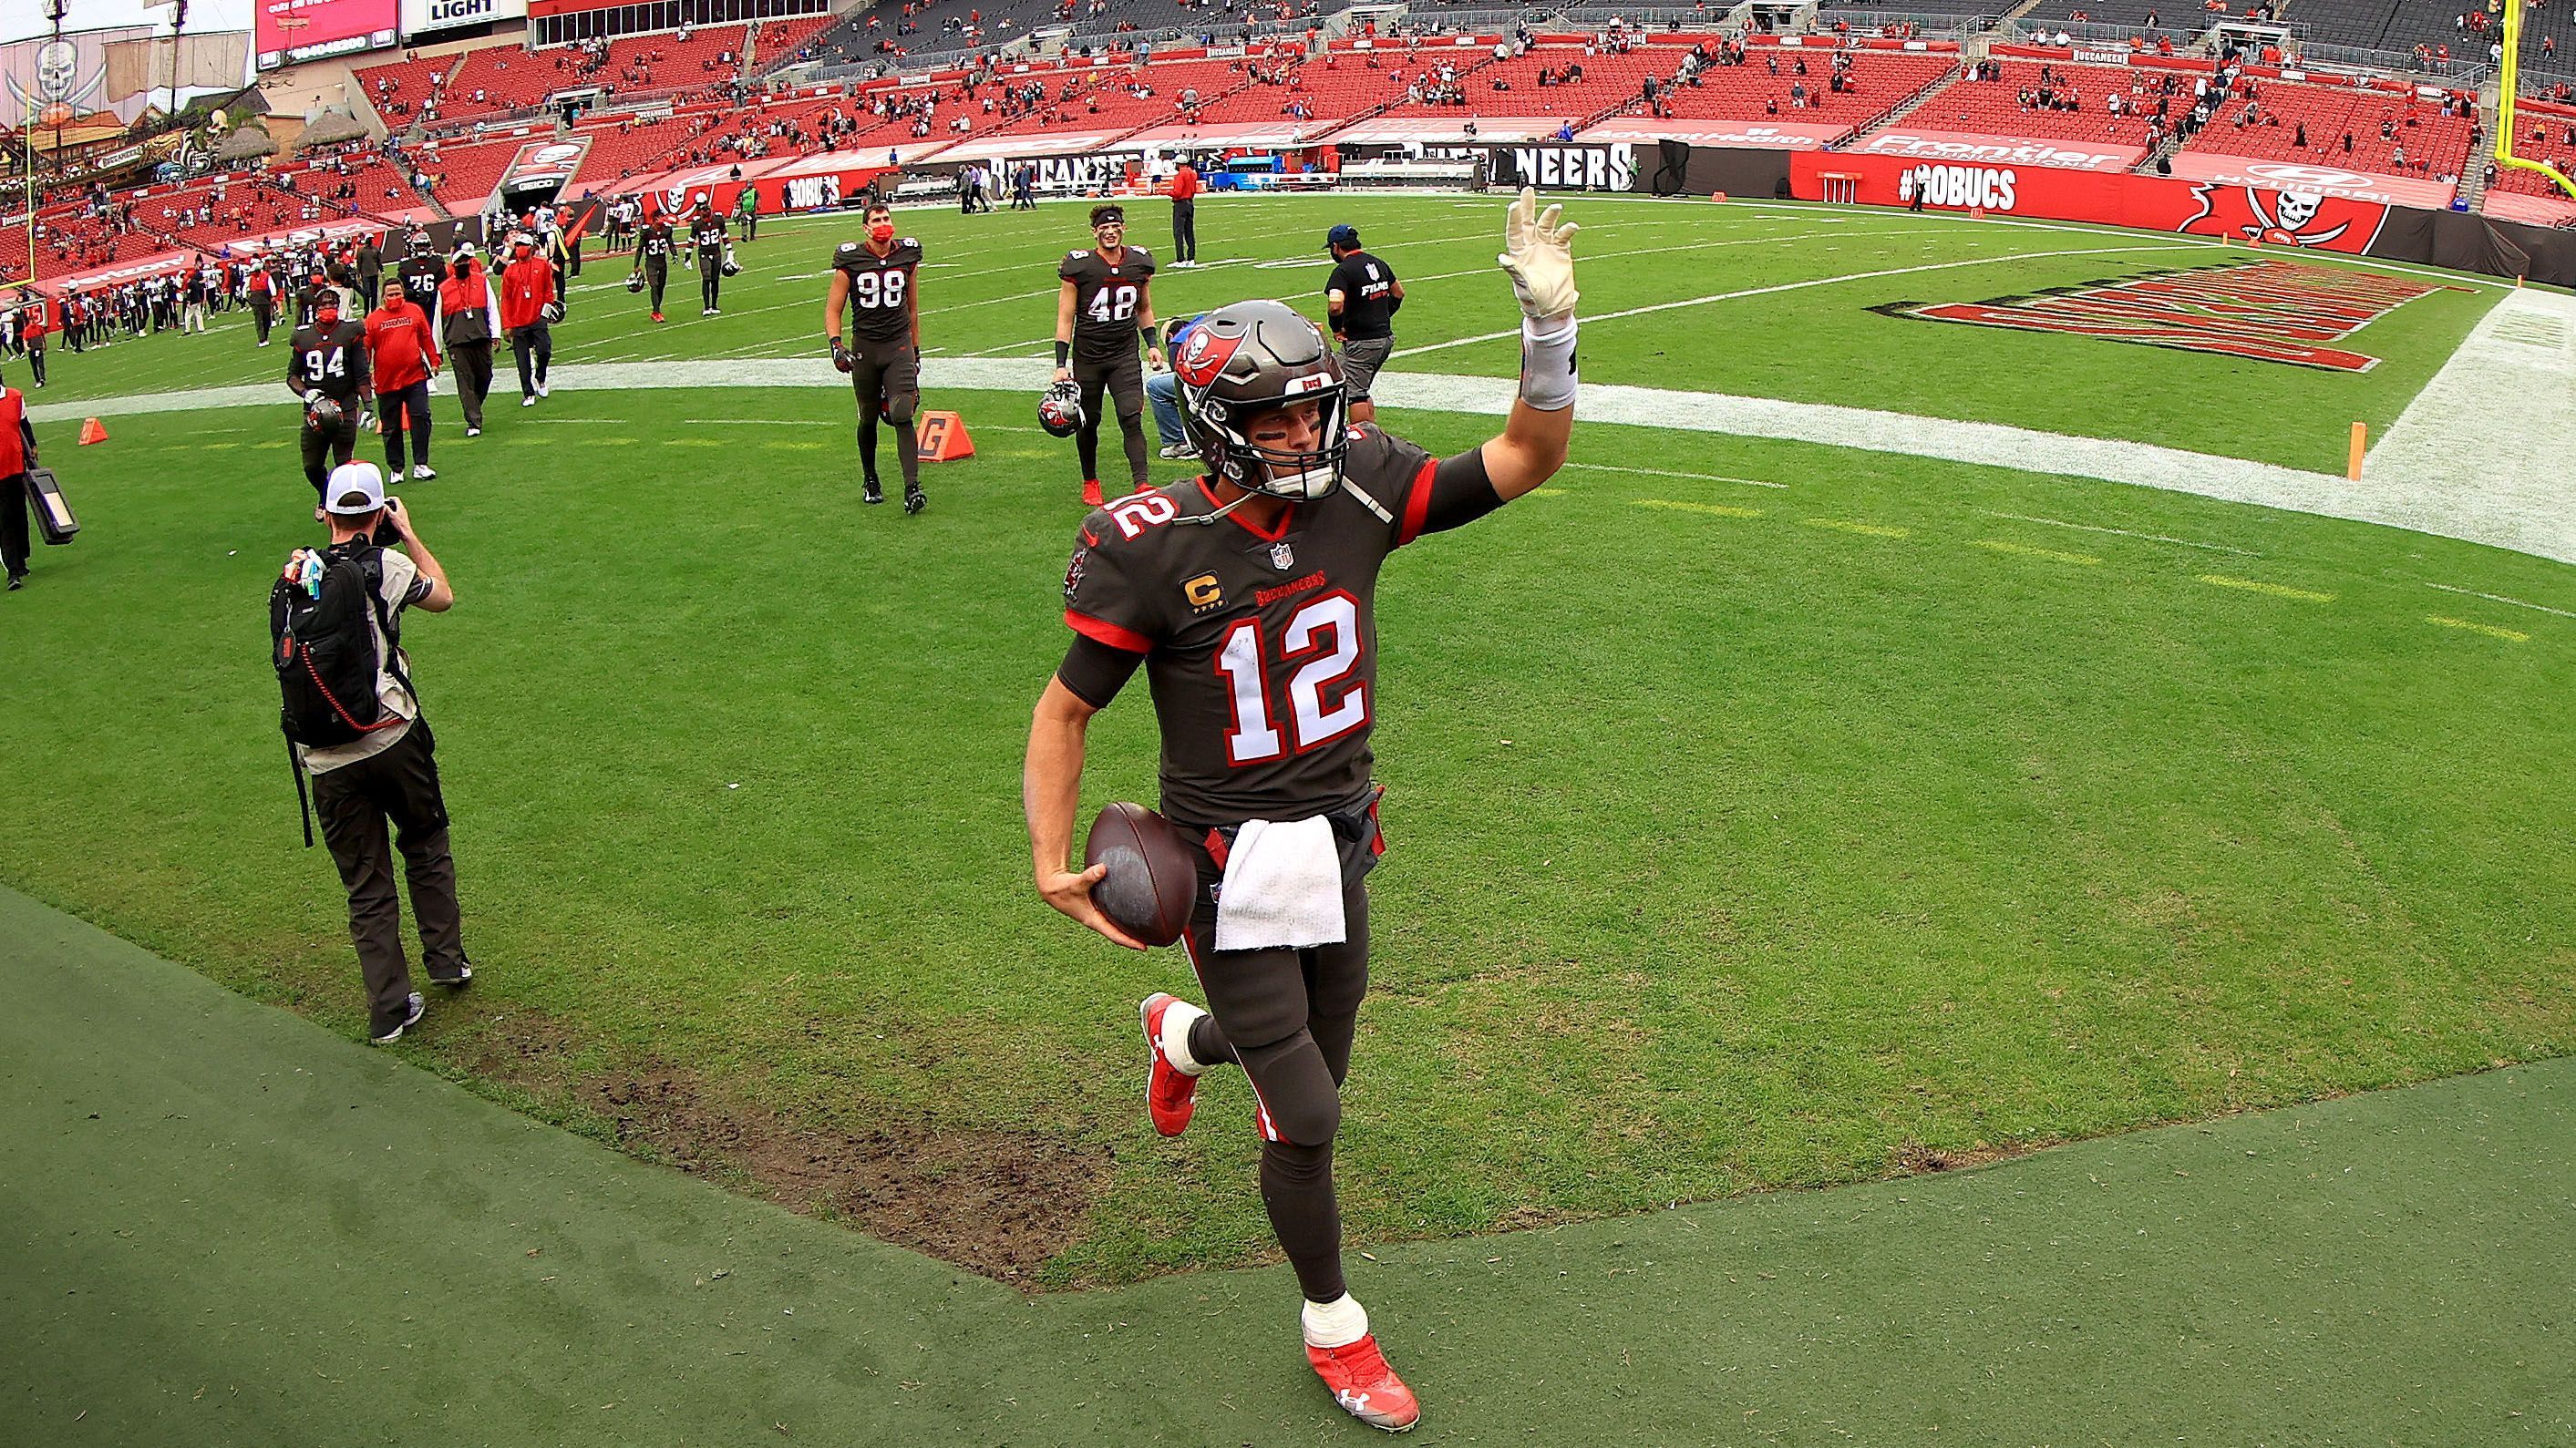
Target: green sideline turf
pixel 222 1226
pixel 1818 827
pixel 989 290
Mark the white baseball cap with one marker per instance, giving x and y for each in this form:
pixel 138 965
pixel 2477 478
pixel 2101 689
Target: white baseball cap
pixel 354 490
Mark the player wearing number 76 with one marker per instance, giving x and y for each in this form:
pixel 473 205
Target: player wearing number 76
pixel 1246 597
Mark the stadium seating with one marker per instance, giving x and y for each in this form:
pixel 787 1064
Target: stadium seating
pixel 2540 133
pixel 1743 92
pixel 403 89
pixel 1995 107
pixel 775 42
pixel 1608 80
pixel 511 78
pixel 463 174
pixel 2435 145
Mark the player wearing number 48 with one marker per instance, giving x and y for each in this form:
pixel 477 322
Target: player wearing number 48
pixel 1104 308
pixel 1246 596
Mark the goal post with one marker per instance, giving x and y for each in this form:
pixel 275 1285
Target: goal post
pixel 2504 155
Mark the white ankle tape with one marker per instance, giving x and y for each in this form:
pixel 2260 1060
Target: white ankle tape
pixel 1337 1323
pixel 1547 366
pixel 1178 1017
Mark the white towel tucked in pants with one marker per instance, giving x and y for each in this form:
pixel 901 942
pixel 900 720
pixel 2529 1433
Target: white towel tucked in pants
pixel 1283 887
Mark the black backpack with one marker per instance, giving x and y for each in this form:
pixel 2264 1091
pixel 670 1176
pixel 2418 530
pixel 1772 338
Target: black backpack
pixel 325 655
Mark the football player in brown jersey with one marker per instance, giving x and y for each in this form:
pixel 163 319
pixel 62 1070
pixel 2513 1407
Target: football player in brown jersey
pixel 1246 596
pixel 1104 308
pixel 873 283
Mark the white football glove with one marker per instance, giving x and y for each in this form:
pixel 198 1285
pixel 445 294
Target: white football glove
pixel 1538 256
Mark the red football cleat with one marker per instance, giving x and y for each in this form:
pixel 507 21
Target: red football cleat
pixel 657 316
pixel 1365 1386
pixel 1171 1094
pixel 1091 492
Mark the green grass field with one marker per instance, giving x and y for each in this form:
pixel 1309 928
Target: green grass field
pixel 1762 814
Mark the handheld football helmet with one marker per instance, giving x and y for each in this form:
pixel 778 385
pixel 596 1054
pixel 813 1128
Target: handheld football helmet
pixel 1246 359
pixel 323 414
pixel 1060 409
pixel 635 281
pixel 732 268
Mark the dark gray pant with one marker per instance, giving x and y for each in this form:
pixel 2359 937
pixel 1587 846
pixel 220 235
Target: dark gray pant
pixel 1287 1017
pixel 1185 231
pixel 472 364
pixel 354 804
pixel 13 524
pixel 533 344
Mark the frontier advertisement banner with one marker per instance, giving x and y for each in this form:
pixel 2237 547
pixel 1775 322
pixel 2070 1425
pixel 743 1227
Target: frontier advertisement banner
pixel 2247 214
pixel 290 32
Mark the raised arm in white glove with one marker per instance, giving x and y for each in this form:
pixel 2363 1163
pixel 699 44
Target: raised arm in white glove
pixel 1538 256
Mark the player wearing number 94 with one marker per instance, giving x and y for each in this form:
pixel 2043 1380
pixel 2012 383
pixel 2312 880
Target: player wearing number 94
pixel 1245 595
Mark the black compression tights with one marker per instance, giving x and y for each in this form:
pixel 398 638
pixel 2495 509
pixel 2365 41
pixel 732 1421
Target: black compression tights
pixel 1299 1081
pixel 1131 427
pixel 907 443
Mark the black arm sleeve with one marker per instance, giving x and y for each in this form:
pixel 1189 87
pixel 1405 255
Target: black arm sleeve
pixel 1095 672
pixel 1460 492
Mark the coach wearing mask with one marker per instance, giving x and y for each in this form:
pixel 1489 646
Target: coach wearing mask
pixel 469 318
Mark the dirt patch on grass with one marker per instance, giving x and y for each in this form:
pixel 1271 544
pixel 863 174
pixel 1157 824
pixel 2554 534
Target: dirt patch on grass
pixel 998 1203
pixel 1916 1159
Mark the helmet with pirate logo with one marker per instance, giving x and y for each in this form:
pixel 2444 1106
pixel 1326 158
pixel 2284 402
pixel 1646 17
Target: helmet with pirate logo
pixel 1250 358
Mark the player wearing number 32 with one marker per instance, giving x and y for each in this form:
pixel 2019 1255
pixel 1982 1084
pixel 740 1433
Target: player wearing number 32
pixel 1246 596
pixel 872 284
pixel 1104 309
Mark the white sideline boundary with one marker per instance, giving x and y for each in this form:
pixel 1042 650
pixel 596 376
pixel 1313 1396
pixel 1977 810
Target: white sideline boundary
pixel 2421 479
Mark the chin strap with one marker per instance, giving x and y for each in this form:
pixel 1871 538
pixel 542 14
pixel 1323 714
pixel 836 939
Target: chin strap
pixel 1247 497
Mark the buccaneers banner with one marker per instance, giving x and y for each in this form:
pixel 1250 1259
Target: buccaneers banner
pixel 2255 215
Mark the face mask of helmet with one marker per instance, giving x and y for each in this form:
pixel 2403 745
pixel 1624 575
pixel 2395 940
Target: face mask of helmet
pixel 1281 468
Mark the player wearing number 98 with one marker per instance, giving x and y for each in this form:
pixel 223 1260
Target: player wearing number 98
pixel 1104 309
pixel 873 285
pixel 1246 596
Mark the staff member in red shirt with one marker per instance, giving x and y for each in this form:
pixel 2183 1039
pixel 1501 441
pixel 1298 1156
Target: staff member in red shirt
pixel 17 454
pixel 1185 215
pixel 402 351
pixel 32 327
pixel 528 306
pixel 260 290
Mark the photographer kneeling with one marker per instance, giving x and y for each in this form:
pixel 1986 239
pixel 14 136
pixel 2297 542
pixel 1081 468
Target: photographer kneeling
pixel 353 718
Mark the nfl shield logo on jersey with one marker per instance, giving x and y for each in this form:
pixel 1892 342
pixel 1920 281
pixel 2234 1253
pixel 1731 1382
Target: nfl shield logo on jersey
pixel 1281 558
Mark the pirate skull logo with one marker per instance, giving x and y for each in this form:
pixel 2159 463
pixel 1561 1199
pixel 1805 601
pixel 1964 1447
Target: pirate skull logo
pixel 59 92
pixel 2298 208
pixel 56 63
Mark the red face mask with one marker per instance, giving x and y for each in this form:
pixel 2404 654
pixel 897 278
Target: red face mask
pixel 326 316
pixel 881 232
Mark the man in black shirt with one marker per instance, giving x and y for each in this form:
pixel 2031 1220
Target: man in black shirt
pixel 371 273
pixel 326 365
pixel 421 273
pixel 707 239
pixel 653 247
pixel 1363 296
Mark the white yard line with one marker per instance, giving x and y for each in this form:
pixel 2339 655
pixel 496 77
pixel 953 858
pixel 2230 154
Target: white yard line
pixel 2121 532
pixel 2500 598
pixel 1669 473
pixel 2454 511
pixel 2484 448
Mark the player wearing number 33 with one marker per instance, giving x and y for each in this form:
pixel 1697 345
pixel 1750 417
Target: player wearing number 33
pixel 873 285
pixel 1246 595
